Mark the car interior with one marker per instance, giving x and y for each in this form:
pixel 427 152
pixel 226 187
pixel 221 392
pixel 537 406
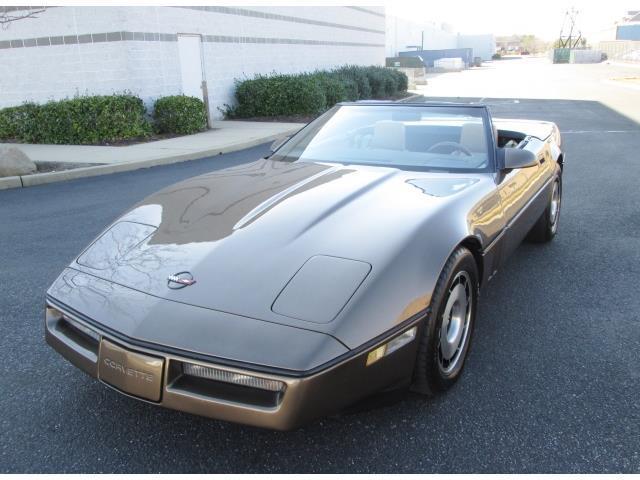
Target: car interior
pixel 404 138
pixel 441 144
pixel 509 139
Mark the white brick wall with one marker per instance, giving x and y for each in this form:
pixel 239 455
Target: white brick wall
pixel 151 68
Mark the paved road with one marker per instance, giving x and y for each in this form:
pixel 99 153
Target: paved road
pixel 552 382
pixel 535 77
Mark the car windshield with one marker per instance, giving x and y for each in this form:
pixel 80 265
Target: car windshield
pixel 440 138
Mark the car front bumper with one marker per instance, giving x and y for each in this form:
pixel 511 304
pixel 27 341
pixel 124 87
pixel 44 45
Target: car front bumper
pixel 281 401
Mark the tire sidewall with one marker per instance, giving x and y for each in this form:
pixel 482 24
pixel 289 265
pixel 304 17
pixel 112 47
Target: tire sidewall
pixel 542 231
pixel 550 230
pixel 428 373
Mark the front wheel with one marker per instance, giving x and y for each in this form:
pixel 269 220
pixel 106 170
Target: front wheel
pixel 547 225
pixel 447 332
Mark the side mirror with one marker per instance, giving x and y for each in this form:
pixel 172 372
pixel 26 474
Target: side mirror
pixel 518 158
pixel 278 143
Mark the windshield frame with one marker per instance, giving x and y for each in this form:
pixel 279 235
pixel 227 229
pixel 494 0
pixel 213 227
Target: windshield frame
pixel 481 110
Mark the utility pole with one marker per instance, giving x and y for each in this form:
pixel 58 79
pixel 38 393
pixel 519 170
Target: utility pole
pixel 567 41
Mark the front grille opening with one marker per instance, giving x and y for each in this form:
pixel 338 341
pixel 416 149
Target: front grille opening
pixel 218 390
pixel 78 336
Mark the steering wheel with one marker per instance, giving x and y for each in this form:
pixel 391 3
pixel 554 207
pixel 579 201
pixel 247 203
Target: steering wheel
pixel 450 147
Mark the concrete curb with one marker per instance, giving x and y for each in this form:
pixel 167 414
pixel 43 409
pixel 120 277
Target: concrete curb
pixel 82 172
pixel 10 182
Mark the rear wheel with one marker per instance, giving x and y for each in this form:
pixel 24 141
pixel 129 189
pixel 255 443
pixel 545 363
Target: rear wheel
pixel 447 332
pixel 547 225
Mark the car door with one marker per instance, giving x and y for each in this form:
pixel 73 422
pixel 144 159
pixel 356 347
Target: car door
pixel 542 180
pixel 517 189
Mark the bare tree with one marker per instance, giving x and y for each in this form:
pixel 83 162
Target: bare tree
pixel 12 14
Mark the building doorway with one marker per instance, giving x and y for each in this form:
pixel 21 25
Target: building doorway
pixel 191 69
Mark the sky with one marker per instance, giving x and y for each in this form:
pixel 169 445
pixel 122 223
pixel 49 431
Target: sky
pixel 542 18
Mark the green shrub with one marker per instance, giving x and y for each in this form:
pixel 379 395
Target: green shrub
pixel 17 123
pixel 359 76
pixel 386 82
pixel 350 87
pixel 7 123
pixel 312 93
pixel 402 79
pixel 180 114
pixel 377 80
pixel 374 81
pixel 334 88
pixel 267 96
pixel 76 121
pixel 90 120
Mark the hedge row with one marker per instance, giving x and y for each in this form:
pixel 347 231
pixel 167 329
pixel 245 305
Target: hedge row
pixel 100 119
pixel 313 93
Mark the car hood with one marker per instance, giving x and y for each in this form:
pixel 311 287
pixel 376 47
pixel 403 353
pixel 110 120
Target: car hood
pixel 242 234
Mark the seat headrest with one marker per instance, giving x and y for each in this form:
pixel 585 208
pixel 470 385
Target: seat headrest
pixel 389 135
pixel 472 136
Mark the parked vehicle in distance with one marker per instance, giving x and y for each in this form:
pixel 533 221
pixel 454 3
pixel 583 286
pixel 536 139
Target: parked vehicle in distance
pixel 346 263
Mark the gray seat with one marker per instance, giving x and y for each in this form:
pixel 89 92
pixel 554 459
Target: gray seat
pixel 472 137
pixel 388 135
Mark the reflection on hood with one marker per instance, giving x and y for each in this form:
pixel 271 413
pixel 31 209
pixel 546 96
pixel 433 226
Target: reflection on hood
pixel 442 187
pixel 208 208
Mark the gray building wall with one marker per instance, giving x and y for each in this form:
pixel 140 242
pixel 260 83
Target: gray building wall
pixel 400 33
pixel 71 51
pixel 621 50
pixel 483 45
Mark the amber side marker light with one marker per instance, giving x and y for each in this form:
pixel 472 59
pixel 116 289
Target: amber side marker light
pixel 391 346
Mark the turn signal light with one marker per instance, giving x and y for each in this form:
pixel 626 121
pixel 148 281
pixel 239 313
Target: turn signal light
pixel 391 346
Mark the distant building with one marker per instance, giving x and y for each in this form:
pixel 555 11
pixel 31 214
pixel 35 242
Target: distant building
pixel 404 35
pixel 154 51
pixel 629 27
pixel 483 45
pixel 626 46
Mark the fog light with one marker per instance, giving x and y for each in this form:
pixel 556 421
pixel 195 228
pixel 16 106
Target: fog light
pixel 232 377
pixel 391 346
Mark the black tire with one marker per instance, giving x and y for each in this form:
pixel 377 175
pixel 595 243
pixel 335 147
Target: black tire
pixel 430 377
pixel 547 225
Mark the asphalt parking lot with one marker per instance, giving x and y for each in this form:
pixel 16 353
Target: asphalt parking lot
pixel 552 382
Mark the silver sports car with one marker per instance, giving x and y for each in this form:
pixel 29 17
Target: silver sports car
pixel 347 262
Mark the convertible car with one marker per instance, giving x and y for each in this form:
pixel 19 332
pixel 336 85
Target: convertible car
pixel 347 262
